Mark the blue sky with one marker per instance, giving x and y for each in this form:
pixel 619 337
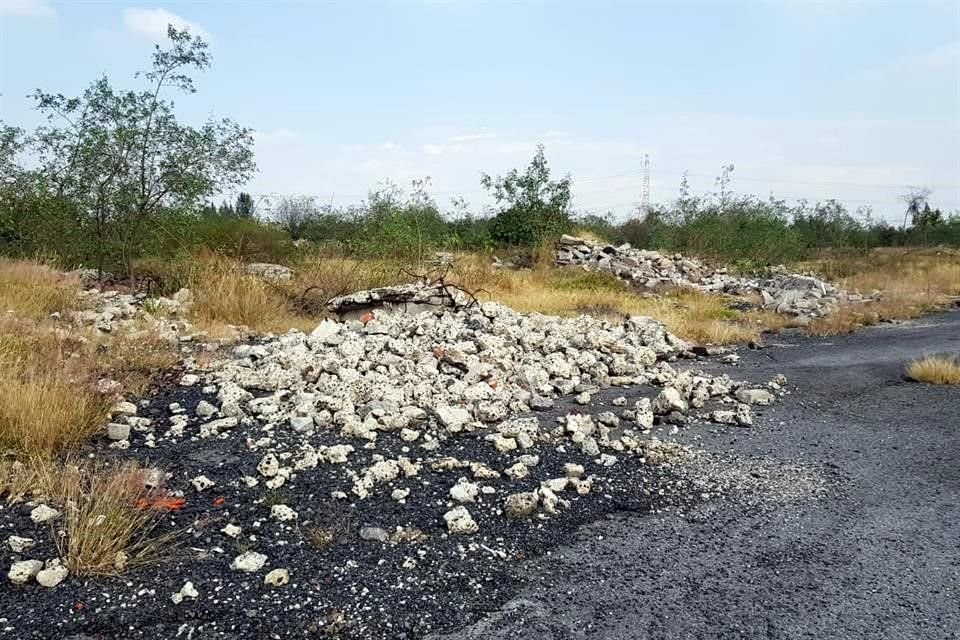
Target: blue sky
pixel 812 100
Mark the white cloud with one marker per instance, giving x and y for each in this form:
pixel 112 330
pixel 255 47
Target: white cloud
pixel 152 23
pixel 27 8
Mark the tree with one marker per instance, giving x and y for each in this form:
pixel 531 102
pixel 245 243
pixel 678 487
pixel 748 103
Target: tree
pixel 244 208
pixel 722 182
pixel 294 213
pixel 12 143
pixel 916 200
pixel 123 158
pixel 225 210
pixel 928 217
pixel 532 207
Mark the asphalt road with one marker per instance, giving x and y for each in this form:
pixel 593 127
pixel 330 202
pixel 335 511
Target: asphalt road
pixel 877 557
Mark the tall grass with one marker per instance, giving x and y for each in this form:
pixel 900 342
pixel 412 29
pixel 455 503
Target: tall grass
pixel 912 282
pixel 34 289
pixel 44 415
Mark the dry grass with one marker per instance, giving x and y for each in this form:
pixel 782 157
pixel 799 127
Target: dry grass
pixel 44 405
pixel 48 399
pixel 48 370
pixel 913 282
pixel 109 515
pixel 44 415
pixel 690 314
pixel 17 479
pixel 935 370
pixel 224 295
pixel 33 289
pixel 136 361
pixel 109 520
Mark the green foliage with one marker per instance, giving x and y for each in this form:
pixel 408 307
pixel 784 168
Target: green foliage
pixel 396 226
pixel 574 279
pixel 121 158
pixel 244 207
pixel 470 233
pixel 246 239
pixel 532 207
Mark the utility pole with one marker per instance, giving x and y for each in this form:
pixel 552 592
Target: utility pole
pixel 645 192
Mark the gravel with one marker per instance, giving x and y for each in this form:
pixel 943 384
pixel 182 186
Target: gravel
pixel 405 511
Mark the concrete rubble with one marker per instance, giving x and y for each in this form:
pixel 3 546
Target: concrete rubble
pixel 804 297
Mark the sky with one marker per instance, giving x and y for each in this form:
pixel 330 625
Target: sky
pixel 852 100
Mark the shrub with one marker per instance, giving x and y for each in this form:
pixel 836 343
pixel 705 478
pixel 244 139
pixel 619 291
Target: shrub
pixel 533 207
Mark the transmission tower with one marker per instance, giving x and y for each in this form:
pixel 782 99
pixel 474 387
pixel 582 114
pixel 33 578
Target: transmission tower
pixel 645 192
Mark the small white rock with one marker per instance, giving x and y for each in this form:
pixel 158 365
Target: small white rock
pixel 53 574
pixel 186 591
pixel 283 513
pixel 19 544
pixel 249 561
pixel 21 572
pixel 459 521
pixel 43 513
pixel 200 483
pixel 205 409
pixel 189 379
pixel 277 577
pixel 464 491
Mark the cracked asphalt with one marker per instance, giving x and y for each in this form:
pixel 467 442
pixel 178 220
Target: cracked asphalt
pixel 878 557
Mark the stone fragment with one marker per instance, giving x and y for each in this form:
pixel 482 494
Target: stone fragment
pixel 201 483
pixel 20 544
pixel 248 562
pixel 754 396
pixel 42 513
pixel 668 401
pixel 520 505
pixel 21 572
pixel 52 574
pixel 205 409
pixel 283 513
pixel 464 491
pixel 460 522
pixel 374 534
pixel 117 431
pixel 268 466
pixel 277 577
pixel 186 591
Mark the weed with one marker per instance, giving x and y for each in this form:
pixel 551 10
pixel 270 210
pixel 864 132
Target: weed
pixel 320 537
pixel 107 530
pixel 935 370
pixel 275 497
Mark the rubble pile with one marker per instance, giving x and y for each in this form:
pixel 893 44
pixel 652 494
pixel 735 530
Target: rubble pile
pixel 805 297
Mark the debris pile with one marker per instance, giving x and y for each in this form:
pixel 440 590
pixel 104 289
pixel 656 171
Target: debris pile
pixel 805 297
pixel 107 311
pixel 423 440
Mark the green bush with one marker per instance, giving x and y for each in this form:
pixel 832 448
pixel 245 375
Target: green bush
pixel 532 207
